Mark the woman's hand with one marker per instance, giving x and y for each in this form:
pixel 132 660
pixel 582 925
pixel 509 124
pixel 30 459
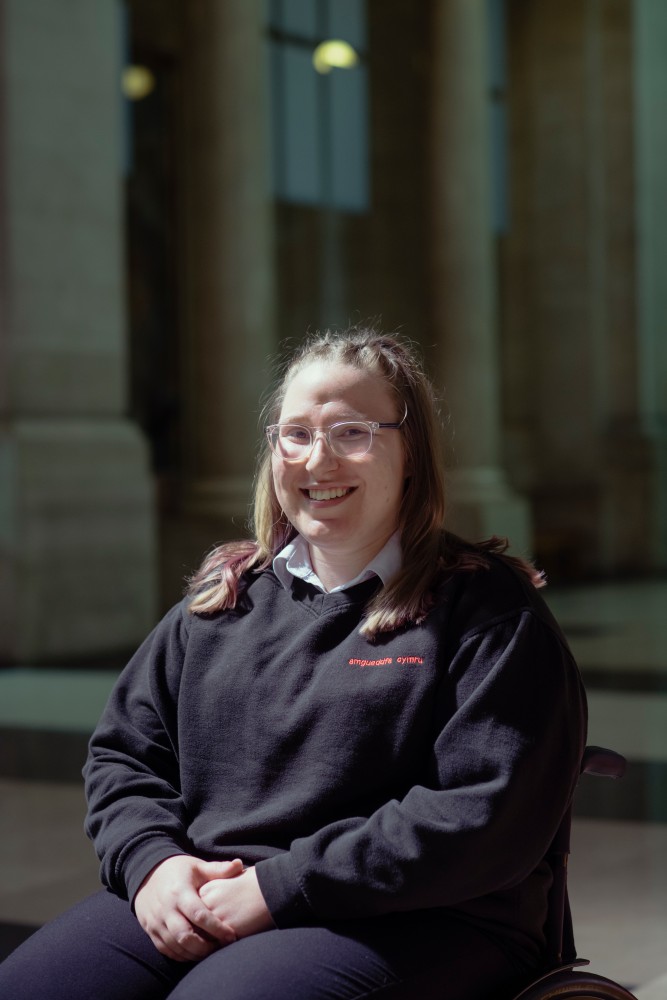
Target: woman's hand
pixel 170 910
pixel 238 902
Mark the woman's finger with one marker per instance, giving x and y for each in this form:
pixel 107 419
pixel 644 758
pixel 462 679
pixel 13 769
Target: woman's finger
pixel 183 941
pixel 202 919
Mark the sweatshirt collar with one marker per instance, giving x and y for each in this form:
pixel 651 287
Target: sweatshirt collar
pixel 294 561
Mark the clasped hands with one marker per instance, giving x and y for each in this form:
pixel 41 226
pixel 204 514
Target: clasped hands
pixel 190 908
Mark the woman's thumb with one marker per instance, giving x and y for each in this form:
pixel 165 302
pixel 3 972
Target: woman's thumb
pixel 222 869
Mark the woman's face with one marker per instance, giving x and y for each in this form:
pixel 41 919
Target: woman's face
pixel 363 513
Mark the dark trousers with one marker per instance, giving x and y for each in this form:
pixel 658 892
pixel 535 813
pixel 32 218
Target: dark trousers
pixel 98 951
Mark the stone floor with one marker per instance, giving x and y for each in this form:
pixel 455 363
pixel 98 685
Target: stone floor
pixel 618 873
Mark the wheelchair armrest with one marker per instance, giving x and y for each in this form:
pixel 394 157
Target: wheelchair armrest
pixel 603 763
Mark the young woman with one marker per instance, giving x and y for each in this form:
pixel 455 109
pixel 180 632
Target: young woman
pixel 335 768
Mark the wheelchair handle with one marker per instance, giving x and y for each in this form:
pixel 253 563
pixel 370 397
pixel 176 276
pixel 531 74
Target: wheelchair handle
pixel 603 763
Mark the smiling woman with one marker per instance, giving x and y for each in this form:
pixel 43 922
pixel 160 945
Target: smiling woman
pixel 316 778
pixel 365 361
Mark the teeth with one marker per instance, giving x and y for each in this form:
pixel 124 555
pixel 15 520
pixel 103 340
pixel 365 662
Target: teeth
pixel 327 494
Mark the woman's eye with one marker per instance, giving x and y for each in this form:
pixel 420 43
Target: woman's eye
pixel 350 431
pixel 298 435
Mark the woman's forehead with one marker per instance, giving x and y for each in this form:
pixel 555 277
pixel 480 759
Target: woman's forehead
pixel 320 383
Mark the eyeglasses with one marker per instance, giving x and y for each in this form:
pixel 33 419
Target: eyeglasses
pixel 348 438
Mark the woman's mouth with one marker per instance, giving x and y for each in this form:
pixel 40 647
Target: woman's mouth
pixel 331 494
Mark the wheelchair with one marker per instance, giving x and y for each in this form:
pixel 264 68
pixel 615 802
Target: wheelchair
pixel 561 979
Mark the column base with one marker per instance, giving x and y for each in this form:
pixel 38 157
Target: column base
pixel 77 542
pixel 635 499
pixel 482 504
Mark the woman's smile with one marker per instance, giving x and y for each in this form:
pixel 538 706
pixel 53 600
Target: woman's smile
pixel 327 492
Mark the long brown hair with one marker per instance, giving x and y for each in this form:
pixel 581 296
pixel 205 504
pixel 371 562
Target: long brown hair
pixel 428 549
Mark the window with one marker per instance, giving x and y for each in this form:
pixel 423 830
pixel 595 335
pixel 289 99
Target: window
pixel 319 120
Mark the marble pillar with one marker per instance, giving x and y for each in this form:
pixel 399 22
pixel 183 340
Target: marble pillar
pixel 227 264
pixel 76 506
pixel 567 294
pixel 464 278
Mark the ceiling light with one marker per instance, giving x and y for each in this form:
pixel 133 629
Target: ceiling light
pixel 334 53
pixel 137 82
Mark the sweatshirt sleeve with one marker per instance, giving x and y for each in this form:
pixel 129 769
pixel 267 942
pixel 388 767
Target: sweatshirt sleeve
pixel 135 809
pixel 508 741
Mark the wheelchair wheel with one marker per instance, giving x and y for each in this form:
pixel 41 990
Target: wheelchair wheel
pixel 573 985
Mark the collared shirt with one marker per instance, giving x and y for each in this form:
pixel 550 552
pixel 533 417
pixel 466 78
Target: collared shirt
pixel 294 560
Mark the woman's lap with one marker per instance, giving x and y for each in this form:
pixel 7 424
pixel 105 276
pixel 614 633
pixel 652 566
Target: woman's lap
pixel 98 949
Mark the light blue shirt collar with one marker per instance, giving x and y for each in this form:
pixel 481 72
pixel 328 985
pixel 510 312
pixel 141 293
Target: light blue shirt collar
pixel 294 560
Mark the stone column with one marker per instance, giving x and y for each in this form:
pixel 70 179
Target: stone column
pixel 464 278
pixel 228 266
pixel 76 529
pixel 585 300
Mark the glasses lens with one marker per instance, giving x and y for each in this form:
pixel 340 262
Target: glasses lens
pixel 351 438
pixel 290 440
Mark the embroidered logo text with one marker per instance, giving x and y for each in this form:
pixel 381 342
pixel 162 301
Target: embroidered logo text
pixel 388 661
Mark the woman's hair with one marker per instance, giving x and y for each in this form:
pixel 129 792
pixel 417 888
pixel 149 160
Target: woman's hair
pixel 427 548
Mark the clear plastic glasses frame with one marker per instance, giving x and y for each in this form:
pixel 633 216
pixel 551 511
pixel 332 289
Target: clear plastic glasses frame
pixel 346 438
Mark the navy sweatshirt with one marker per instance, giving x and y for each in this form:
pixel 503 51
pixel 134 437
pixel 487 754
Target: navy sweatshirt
pixel 427 769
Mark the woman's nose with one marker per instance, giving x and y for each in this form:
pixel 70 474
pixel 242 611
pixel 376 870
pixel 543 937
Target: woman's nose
pixel 321 453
